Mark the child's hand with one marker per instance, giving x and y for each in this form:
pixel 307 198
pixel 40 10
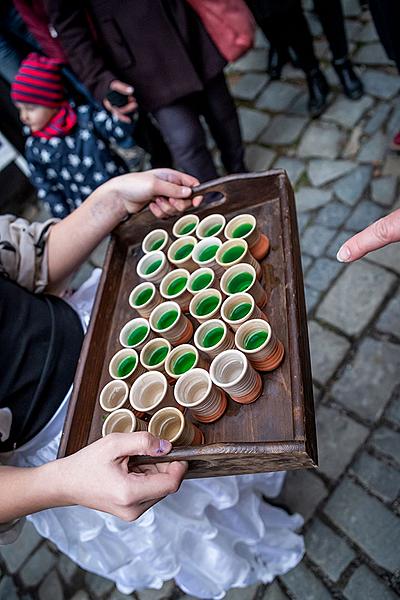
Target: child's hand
pixel 121 112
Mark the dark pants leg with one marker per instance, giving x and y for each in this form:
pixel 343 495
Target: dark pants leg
pixel 386 15
pixel 330 14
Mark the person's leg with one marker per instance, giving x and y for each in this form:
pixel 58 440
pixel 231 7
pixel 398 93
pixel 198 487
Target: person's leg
pixel 386 16
pixel 9 60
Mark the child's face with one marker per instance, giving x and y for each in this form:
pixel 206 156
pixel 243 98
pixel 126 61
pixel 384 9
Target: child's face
pixel 34 116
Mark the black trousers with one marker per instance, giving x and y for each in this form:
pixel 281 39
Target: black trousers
pixel 181 128
pixel 386 15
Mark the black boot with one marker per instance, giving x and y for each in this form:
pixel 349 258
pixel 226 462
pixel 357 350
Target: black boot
pixel 276 61
pixel 351 83
pixel 318 89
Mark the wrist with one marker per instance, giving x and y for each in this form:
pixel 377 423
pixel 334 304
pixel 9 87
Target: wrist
pixel 57 479
pixel 108 202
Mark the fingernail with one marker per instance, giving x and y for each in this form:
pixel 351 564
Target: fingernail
pixel 186 191
pixel 164 446
pixel 129 90
pixel 344 254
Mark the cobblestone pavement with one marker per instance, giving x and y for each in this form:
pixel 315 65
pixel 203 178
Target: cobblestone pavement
pixel 345 177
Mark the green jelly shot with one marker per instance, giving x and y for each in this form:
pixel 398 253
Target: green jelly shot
pixel 153 267
pixel 183 251
pixel 143 297
pixel 242 230
pixel 167 319
pixel 240 311
pixel 201 281
pixel 137 335
pixel 176 286
pixel 188 228
pixel 213 230
pixel 158 356
pixel 207 306
pixel 213 337
pixel 184 363
pixel 255 339
pixel 208 253
pixel 126 366
pixel 240 283
pixel 156 244
pixel 232 254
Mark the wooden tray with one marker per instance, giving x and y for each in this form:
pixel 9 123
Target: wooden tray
pixel 277 432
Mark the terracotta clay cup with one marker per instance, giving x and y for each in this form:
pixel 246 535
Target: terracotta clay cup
pixel 153 266
pixel 232 372
pixel 125 365
pixel 135 333
pixel 245 227
pixel 211 226
pixel 206 305
pixel 205 252
pixel 239 308
pixel 186 225
pixel 180 253
pixel 234 252
pixel 213 337
pixel 150 392
pixel 196 391
pixel 242 278
pixel 170 424
pixel 174 287
pixel 158 239
pixel 182 359
pixel 201 279
pixel 122 420
pixel 153 355
pixel 144 298
pixel 168 321
pixel 257 341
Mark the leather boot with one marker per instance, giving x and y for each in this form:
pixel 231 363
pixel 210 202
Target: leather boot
pixel 318 89
pixel 350 82
pixel 276 61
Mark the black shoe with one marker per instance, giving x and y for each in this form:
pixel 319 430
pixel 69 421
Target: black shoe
pixel 351 83
pixel 276 62
pixel 293 58
pixel 318 89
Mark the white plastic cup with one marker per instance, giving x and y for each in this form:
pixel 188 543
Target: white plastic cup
pixel 174 287
pixel 211 226
pixel 144 298
pixel 185 226
pixel 239 308
pixel 242 278
pixel 153 266
pixel 135 333
pixel 234 252
pixel 128 357
pixel 185 245
pixel 156 240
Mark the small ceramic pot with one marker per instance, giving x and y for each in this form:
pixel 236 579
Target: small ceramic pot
pixel 201 279
pixel 122 420
pixel 232 372
pixel 234 252
pixel 180 253
pixel 174 287
pixel 114 395
pixel 242 278
pixel 239 308
pixel 211 226
pixel 168 321
pixel 185 226
pixel 245 227
pixel 150 392
pixel 125 365
pixel 182 359
pixel 135 334
pixel 206 305
pixel 154 354
pixel 170 424
pixel 257 341
pixel 153 266
pixel 158 239
pixel 196 391
pixel 144 298
pixel 205 252
pixel 213 337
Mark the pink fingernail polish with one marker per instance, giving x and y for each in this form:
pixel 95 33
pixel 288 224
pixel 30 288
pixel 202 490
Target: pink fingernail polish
pixel 164 446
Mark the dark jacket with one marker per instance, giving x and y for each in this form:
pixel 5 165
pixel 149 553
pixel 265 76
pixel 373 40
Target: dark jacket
pixel 158 46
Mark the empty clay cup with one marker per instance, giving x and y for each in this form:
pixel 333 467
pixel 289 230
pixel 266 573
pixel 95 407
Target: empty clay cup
pixel 245 227
pixel 114 395
pixel 211 226
pixel 170 424
pixel 213 337
pixel 257 341
pixel 239 308
pixel 196 391
pixel 234 252
pixel 136 333
pixel 154 354
pixel 201 279
pixel 174 287
pixel 153 266
pixel 150 392
pixel 180 253
pixel 242 278
pixel 232 372
pixel 206 305
pixel 168 321
pixel 186 225
pixel 158 239
pixel 122 420
pixel 125 365
pixel 182 359
pixel 205 252
pixel 144 298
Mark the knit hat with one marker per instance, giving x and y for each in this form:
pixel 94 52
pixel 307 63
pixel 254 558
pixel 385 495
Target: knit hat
pixel 38 81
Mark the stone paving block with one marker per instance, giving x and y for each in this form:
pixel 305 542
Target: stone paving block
pixel 259 158
pixel 365 213
pixel 389 257
pixel 374 150
pixel 37 567
pixel 312 298
pixel 349 304
pixel 380 84
pixel 321 172
pixel 67 568
pixel 254 60
pixel 96 585
pixel 314 24
pixel 323 272
pixel 367 522
pixel 377 119
pixel 366 34
pixel 346 112
pixel 393 412
pixel 315 239
pixel 299 107
pixel 389 321
pixel 327 550
pixel 302 492
pixel 367 383
pixel 302 220
pixel 394 122
pixel 247 593
pixel 51 588
pixel 364 585
pixel 306 262
pixel 274 592
pixel 308 198
pixel 351 187
pixel 337 242
pixel 260 41
pixel 116 595
pixel 283 130
pixel 164 592
pixel 80 595
pixel 387 441
pixel 16 554
pixel 294 168
pixel 327 351
pixel 277 96
pixel 333 215
pixel 351 8
pixel 322 141
pixel 391 165
pixel 371 54
pixel 249 86
pixel 384 190
pixel 339 438
pixel 382 479
pixel 303 584
pixel 8 591
pixel 252 123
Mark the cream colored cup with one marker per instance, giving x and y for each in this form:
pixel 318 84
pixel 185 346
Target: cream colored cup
pixel 196 391
pixel 136 330
pixel 141 291
pixel 242 278
pixel 173 288
pixel 130 367
pixel 213 337
pixel 182 359
pixel 201 279
pixel 182 245
pixel 245 227
pixel 234 252
pixel 185 226
pixel 114 395
pixel 239 308
pixel 170 424
pixel 156 240
pixel 206 305
pixel 153 266
pixel 257 341
pixel 205 252
pixel 232 372
pixel 154 354
pixel 168 321
pixel 150 392
pixel 211 226
pixel 122 420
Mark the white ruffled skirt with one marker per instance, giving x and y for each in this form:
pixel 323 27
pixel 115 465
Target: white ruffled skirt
pixel 212 535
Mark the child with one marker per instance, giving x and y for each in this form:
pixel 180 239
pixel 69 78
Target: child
pixel 68 150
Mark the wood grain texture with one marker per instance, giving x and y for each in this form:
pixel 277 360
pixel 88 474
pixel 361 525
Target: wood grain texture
pixel 278 431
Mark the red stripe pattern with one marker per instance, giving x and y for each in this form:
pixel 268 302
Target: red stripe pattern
pixel 38 81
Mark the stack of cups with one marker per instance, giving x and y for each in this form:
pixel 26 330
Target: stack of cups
pixel 213 337
pixel 158 239
pixel 170 424
pixel 114 395
pixel 122 421
pixel 245 227
pixel 144 298
pixel 242 278
pixel 234 252
pixel 206 305
pixel 135 334
pixel 196 391
pixel 232 372
pixel 151 392
pixel 153 266
pixel 211 226
pixel 125 365
pixel 182 359
pixel 174 287
pixel 154 354
pixel 205 252
pixel 256 339
pixel 239 308
pixel 186 225
pixel 180 253
pixel 201 279
pixel 168 321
